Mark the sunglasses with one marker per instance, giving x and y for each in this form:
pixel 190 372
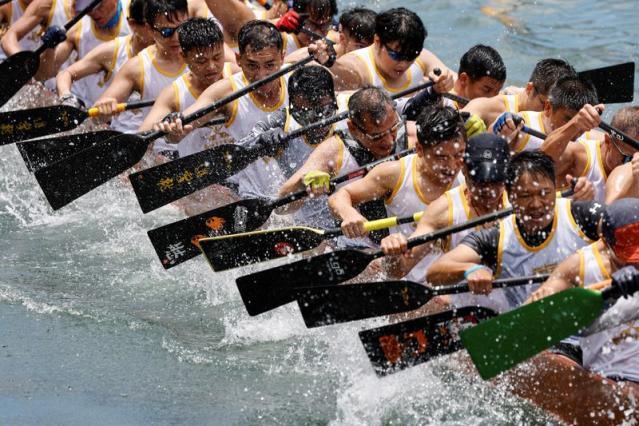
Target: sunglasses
pixel 378 136
pixel 306 116
pixel 398 56
pixel 166 32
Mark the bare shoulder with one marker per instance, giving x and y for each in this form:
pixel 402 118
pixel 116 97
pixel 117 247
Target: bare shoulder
pixel 437 212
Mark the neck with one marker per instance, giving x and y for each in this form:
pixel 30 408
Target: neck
pixel 196 83
pixel 523 101
pixel 480 207
pixel 431 186
pixel 167 56
pixel 268 97
pixel 535 237
pixel 459 90
pixel 137 44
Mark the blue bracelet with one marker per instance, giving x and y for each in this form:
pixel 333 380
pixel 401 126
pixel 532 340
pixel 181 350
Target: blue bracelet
pixel 474 268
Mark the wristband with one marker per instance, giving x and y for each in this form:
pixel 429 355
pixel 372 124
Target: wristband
pixel 474 268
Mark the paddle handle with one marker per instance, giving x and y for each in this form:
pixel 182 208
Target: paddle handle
pixel 460 100
pixel 81 15
pixel 379 224
pixel 462 287
pixel 444 232
pixel 616 133
pixel 94 112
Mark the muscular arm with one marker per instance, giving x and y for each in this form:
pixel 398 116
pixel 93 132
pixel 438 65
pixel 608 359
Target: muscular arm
pixel 488 109
pixel 232 14
pixel 621 183
pixel 378 183
pixel 95 61
pixel 565 276
pixel 124 82
pixel 451 266
pixel 215 92
pixel 347 73
pixel 431 61
pixel 35 14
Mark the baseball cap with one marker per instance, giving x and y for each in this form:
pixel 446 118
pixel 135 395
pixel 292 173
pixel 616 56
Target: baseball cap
pixel 620 228
pixel 486 157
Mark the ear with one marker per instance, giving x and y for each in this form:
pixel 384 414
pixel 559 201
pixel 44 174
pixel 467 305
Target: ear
pixel 463 79
pixel 377 42
pixel 529 88
pixel 547 108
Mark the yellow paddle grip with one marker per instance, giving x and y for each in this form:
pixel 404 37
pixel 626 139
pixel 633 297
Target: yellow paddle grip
pixel 376 225
pixel 93 112
pixel 600 285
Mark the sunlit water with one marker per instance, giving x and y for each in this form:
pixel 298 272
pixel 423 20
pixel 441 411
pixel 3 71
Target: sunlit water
pixel 94 331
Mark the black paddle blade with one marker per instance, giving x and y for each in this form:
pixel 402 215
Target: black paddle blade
pixel 71 178
pixel 177 242
pixel 271 288
pixel 252 247
pixel 15 72
pixel 614 84
pixel 44 152
pixel 163 184
pixel 398 346
pixel 325 305
pixel 32 123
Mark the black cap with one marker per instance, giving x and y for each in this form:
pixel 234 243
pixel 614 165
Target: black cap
pixel 486 158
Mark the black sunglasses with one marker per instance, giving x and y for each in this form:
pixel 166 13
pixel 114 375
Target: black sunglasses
pixel 166 32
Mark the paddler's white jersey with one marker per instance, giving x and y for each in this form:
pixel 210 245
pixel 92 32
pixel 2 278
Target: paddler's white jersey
pixel 128 121
pixel 408 199
pixel 526 142
pixel 185 96
pixel 515 258
pixel 61 12
pixel 86 39
pixel 594 170
pixel 612 352
pixel 511 103
pixel 414 75
pixel 263 178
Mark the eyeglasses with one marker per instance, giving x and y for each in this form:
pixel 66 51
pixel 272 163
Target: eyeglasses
pixel 306 116
pixel 166 32
pixel 398 56
pixel 380 135
pixel 626 157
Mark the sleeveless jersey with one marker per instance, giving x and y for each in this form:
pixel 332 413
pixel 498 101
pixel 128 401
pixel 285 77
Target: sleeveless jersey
pixel 511 103
pixel 515 258
pixel 594 170
pixel 262 178
pixel 414 75
pixel 612 352
pixel 526 142
pixel 128 121
pixel 86 39
pixel 407 199
pixel 185 96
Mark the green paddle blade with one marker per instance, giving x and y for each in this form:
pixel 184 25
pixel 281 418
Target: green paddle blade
pixel 325 305
pixel 269 289
pixel 503 342
pixel 233 251
pixel 71 178
pixel 177 242
pixel 32 123
pixel 398 346
pixel 44 152
pixel 15 72
pixel 163 184
pixel 614 84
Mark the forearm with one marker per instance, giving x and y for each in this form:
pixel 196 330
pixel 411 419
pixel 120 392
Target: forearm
pixel 64 81
pixel 557 141
pixel 10 43
pixel 447 271
pixel 341 204
pixel 231 14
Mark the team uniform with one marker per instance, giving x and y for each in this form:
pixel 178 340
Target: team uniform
pixel 87 38
pixel 511 256
pixel 408 199
pixel 594 170
pixel 414 75
pixel 262 178
pixel 614 352
pixel 128 121
pixel 526 142
pixel 511 103
pixel 185 96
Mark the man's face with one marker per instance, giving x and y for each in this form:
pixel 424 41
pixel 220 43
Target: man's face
pixel 350 43
pixel 484 87
pixel 307 112
pixel 444 160
pixel 206 64
pixel 537 100
pixel 557 117
pixel 389 62
pixel 484 193
pixel 103 12
pixel 317 22
pixel 618 152
pixel 167 25
pixel 259 64
pixel 142 32
pixel 533 199
pixel 377 136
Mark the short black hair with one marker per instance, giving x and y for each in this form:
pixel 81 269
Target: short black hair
pixel 359 23
pixel 404 27
pixel 136 11
pixel 572 93
pixel 312 83
pixel 316 8
pixel 547 72
pixel 535 162
pixel 170 8
pixel 437 124
pixel 258 35
pixel 369 102
pixel 482 61
pixel 199 33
